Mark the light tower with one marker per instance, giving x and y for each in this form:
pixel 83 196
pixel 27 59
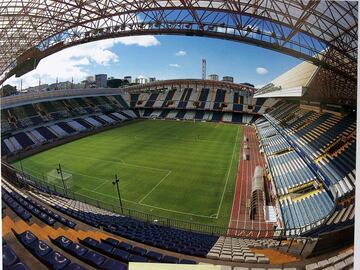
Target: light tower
pixel 204 69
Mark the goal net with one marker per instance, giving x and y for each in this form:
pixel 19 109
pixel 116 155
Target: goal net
pixel 54 178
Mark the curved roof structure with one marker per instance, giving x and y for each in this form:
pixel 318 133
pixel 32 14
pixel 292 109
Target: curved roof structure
pixel 322 32
pixel 292 83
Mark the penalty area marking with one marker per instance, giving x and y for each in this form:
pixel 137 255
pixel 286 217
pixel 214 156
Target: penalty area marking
pixel 142 204
pixel 107 181
pixel 106 195
pixel 120 161
pixel 151 206
pixel 143 198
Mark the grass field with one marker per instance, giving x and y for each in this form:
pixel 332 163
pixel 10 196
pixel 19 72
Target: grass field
pixel 181 170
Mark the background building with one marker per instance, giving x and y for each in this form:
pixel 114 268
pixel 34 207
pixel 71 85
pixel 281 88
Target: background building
pixel 128 78
pixel 101 80
pixel 141 80
pixel 213 77
pixel 228 79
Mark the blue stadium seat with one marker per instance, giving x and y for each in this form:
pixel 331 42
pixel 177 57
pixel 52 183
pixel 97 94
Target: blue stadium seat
pixel 170 259
pixel 121 255
pixel 155 256
pixel 93 258
pixel 17 266
pixel 9 256
pixel 54 260
pixel 74 266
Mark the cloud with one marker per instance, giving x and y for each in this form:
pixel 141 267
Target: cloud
pixel 180 53
pixel 174 65
pixel 261 70
pixel 75 62
pixel 143 41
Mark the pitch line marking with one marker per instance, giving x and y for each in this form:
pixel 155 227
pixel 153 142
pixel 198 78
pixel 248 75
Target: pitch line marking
pixel 120 161
pixel 73 172
pixel 101 185
pixel 174 211
pixel 104 194
pixel 228 173
pixel 155 187
pixel 143 204
pixel 148 205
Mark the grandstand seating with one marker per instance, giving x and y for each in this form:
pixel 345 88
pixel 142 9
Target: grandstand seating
pixel 46 133
pixel 344 260
pixel 152 234
pixel 185 98
pixel 295 142
pixel 289 171
pixel 310 161
pixel 66 127
pixel 305 212
pixel 326 139
pixel 23 205
pixel 238 250
pixel 61 129
pixel 44 253
pixel 10 260
pixel 51 120
pixel 152 98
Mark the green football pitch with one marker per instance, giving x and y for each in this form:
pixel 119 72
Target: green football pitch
pixel 180 170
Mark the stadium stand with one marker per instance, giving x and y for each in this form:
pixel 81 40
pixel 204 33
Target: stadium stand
pixel 308 159
pixel 328 140
pixel 10 259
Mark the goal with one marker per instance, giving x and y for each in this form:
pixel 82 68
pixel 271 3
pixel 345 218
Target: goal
pixel 54 178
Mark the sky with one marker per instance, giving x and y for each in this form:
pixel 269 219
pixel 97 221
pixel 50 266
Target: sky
pixel 163 57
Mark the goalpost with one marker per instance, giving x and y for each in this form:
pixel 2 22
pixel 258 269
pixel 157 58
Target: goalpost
pixel 54 178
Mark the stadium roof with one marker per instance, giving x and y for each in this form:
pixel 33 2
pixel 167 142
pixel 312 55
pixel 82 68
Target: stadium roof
pixel 322 32
pixel 292 83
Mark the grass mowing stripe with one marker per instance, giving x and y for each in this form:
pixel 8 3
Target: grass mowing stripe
pixel 199 175
pixel 147 205
pixel 121 162
pixel 72 172
pixel 107 195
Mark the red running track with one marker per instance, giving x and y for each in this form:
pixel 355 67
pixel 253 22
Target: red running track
pixel 240 223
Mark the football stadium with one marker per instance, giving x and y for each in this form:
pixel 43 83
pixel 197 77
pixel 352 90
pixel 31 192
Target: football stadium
pixel 182 173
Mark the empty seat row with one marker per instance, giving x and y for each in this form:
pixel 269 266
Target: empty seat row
pixel 27 205
pixel 342 261
pixel 45 254
pixel 10 260
pixel 306 213
pixel 129 253
pixel 177 240
pixel 288 170
pixel 40 135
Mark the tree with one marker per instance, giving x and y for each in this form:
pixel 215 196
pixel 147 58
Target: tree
pixel 8 90
pixel 116 83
